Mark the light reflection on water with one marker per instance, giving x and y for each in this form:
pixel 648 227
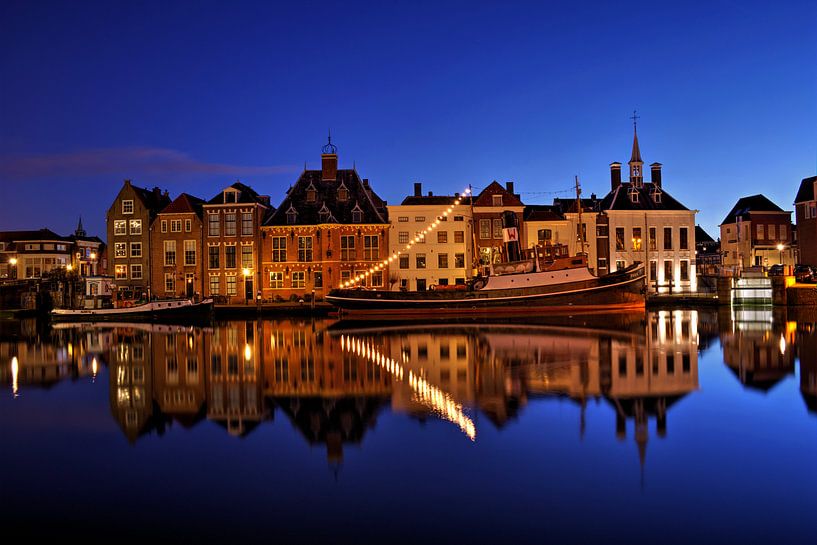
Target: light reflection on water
pixel 335 383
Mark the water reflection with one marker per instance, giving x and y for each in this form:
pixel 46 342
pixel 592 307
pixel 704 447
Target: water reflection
pixel 331 382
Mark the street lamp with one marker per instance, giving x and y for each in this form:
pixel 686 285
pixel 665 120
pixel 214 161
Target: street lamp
pixel 246 272
pixel 13 263
pixel 780 249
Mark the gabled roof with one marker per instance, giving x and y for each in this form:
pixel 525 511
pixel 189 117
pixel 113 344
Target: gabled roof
pixel 542 212
pixel 746 205
pixel 702 236
pixel 619 199
pixel 246 195
pixel 23 236
pixel 326 194
pixel 495 188
pixel 184 204
pixel 153 199
pixel 806 191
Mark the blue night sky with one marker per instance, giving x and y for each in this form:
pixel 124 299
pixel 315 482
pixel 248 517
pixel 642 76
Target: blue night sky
pixel 191 96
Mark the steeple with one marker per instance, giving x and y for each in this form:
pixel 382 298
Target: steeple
pixel 80 232
pixel 636 164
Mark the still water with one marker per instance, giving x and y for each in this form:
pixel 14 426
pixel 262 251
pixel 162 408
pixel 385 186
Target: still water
pixel 673 426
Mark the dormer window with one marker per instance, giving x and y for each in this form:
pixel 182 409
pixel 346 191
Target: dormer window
pixel 324 214
pixel 656 196
pixel 311 193
pixel 292 216
pixel 633 194
pixel 343 193
pixel 496 200
pixel 357 214
pixel 230 195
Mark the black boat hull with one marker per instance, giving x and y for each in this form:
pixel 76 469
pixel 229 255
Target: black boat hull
pixel 618 291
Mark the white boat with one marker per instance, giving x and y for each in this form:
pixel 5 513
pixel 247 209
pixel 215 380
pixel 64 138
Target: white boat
pixel 154 309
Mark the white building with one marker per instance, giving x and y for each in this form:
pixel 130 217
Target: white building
pixel 646 224
pixel 445 256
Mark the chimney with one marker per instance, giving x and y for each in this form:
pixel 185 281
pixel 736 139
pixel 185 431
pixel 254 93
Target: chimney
pixel 509 187
pixel 615 175
pixel 418 189
pixel 430 194
pixel 329 167
pixel 655 174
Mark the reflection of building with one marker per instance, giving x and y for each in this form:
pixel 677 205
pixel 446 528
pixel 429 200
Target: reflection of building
pixel 757 346
pixel 331 396
pixel 131 385
pixel 234 388
pixel 806 345
pixel 179 370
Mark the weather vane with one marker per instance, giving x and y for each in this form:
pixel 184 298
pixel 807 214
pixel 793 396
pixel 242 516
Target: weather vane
pixel 635 117
pixel 330 147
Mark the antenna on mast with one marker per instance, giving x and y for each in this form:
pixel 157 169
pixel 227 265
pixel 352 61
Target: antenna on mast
pixel 581 234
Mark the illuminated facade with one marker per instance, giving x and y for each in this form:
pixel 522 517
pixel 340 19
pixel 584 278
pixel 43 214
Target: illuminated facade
pixel 128 228
pixel 231 247
pixel 805 205
pixel 443 257
pixel 489 206
pixel 645 224
pixel 330 227
pixel 177 253
pixel 757 233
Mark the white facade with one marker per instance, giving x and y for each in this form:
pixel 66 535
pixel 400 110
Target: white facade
pixel 662 239
pixel 445 257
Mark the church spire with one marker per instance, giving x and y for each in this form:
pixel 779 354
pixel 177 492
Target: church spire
pixel 636 164
pixel 80 232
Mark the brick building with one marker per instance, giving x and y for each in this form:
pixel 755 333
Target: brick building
pixel 128 226
pixel 488 208
pixel 232 238
pixel 805 212
pixel 757 233
pixel 176 255
pixel 330 227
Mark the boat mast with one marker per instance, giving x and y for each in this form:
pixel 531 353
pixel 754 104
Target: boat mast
pixel 580 228
pixel 474 256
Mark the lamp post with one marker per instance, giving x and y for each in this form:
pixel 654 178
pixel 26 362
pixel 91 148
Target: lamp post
pixel 13 263
pixel 780 248
pixel 247 293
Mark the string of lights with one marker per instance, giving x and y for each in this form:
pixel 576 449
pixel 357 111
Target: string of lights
pixel 429 395
pixel 420 236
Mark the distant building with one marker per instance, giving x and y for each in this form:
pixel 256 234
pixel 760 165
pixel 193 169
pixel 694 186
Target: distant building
pixel 443 257
pixel 128 224
pixel 177 256
pixel 232 243
pixel 805 206
pixel 646 224
pixel 30 254
pixel 707 251
pixel 89 256
pixel 757 233
pixel 489 206
pixel 330 227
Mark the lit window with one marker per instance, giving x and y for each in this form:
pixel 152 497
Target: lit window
pixel 298 280
pixel 120 227
pixel 121 272
pixel 276 280
pixel 231 285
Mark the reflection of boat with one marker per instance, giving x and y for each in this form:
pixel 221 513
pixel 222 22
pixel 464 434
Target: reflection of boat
pixel 149 311
pixel 569 289
pixel 141 326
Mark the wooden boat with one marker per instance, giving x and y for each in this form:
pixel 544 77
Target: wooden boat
pixel 564 286
pixel 173 308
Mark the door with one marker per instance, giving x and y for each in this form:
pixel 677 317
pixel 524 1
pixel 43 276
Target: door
pixel 188 285
pixel 248 291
